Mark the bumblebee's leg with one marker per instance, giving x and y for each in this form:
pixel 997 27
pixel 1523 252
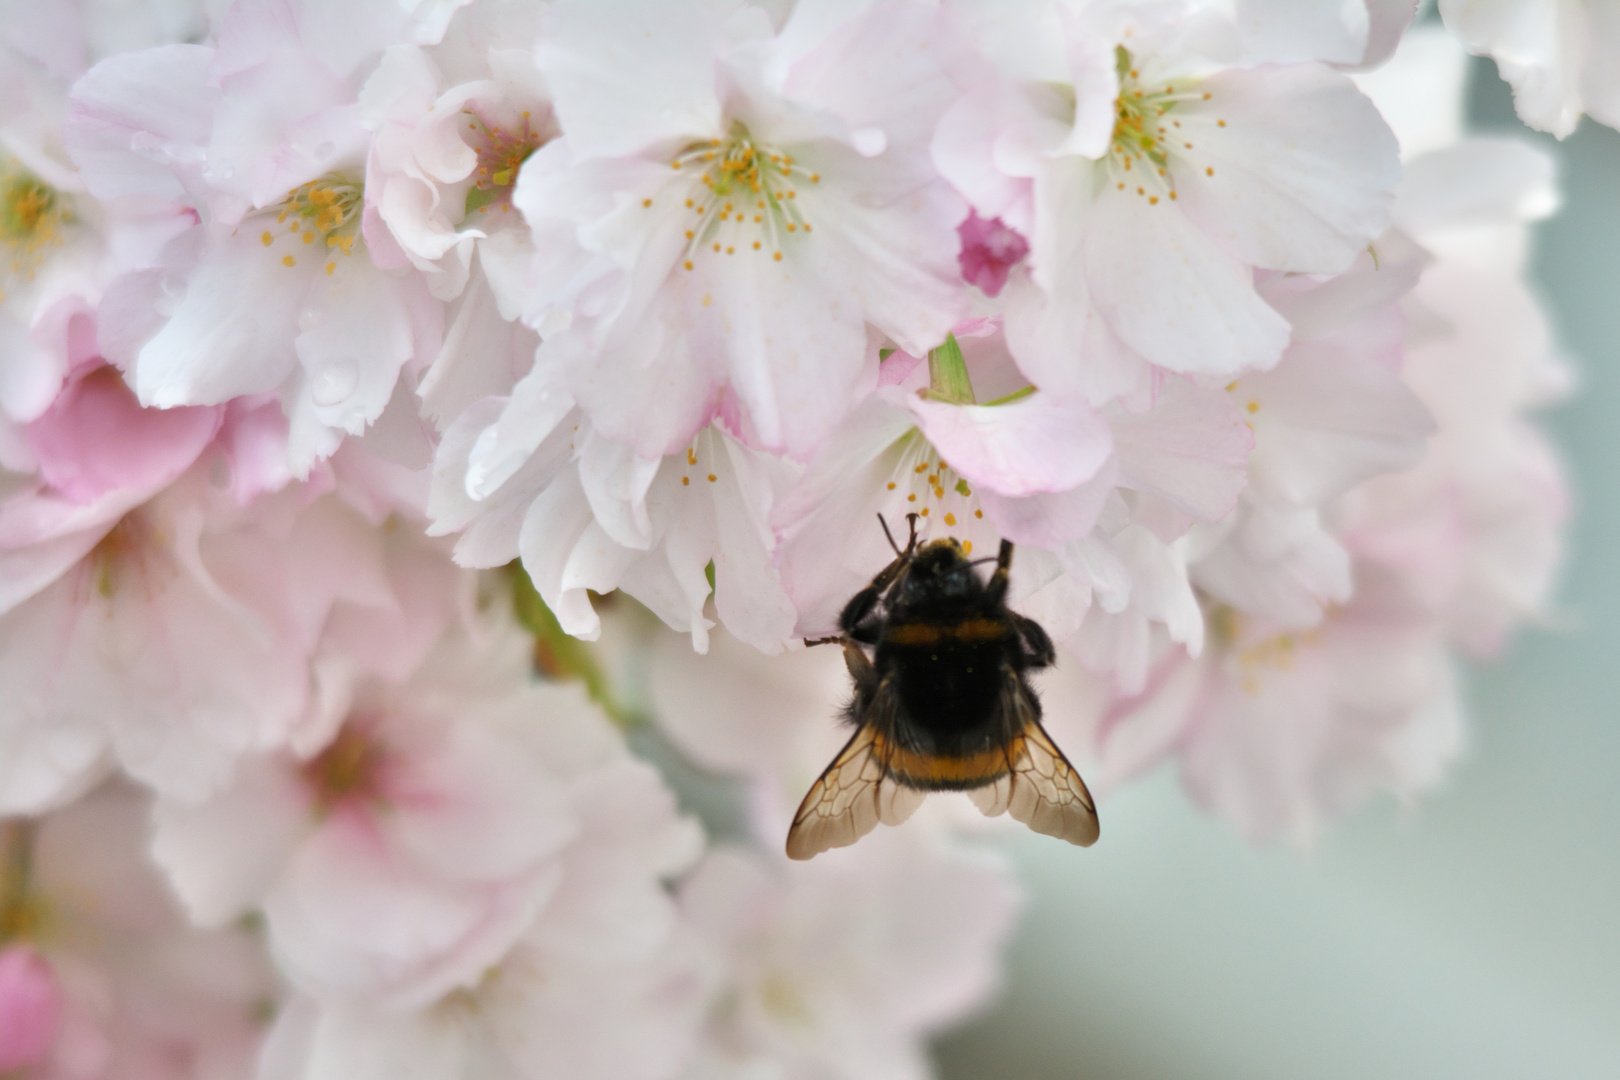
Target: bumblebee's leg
pixel 1037 646
pixel 860 669
pixel 996 590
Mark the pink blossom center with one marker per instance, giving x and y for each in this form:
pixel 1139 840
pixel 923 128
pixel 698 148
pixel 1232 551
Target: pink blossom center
pixel 989 250
pixel 347 771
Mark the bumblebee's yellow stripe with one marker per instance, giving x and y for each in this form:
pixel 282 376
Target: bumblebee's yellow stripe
pixel 981 768
pixel 968 630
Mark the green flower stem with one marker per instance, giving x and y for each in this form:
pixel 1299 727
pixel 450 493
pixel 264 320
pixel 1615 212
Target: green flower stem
pixel 560 655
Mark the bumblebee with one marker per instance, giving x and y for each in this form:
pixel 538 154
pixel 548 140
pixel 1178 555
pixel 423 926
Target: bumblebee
pixel 942 703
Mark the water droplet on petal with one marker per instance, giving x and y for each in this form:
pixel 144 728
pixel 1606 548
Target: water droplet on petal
pixel 333 382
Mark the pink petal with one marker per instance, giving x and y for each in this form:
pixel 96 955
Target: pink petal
pixel 95 439
pixel 1032 445
pixel 30 1009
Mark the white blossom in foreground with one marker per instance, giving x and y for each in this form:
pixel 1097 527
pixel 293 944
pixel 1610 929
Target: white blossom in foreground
pixel 1151 184
pixel 528 475
pixel 59 246
pixel 1562 57
pixel 276 289
pixel 722 229
pixel 98 961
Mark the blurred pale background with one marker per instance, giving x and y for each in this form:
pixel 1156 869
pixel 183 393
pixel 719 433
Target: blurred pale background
pixel 1475 935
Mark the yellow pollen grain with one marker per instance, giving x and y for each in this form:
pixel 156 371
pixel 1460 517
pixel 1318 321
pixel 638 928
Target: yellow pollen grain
pixel 1209 170
pixel 1172 195
pixel 793 194
pixel 686 481
pixel 309 238
pixel 712 478
pixel 691 456
pixel 281 217
pixel 1254 406
pixel 330 267
pixel 939 493
pixel 1206 95
pixel 792 227
pixel 933 478
pixel 1153 200
pixel 1220 123
pixel 815 178
pixel 293 228
pixel 756 245
pixel 911 498
pixel 646 202
pixel 757 219
pixel 891 485
pixel 288 260
pixel 266 239
pixel 688 264
pixel 1187 145
pixel 690 234
pixel 1122 185
pixel 717 249
pixel 921 468
pixel 688 202
pixel 777 256
pixel 978 513
pixel 731 251
pixel 1139 191
pixel 950 519
pixel 925 511
pixel 967 547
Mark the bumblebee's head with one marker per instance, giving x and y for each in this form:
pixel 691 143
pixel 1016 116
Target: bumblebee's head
pixel 939 570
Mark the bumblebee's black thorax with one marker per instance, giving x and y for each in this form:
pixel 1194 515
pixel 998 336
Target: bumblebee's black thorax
pixel 950 649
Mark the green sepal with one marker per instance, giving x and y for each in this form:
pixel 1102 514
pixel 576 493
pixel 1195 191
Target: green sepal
pixel 478 198
pixel 947 374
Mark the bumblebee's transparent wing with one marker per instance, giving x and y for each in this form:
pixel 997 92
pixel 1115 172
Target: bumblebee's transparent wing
pixel 1047 794
pixel 1043 790
pixel 853 796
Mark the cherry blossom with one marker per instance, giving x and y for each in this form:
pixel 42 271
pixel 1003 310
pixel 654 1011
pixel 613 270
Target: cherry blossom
pixel 99 966
pixel 429 430
pixel 721 230
pixel 276 289
pixel 434 798
pixel 529 475
pixel 1096 500
pixel 1559 55
pixel 822 987
pixel 1149 184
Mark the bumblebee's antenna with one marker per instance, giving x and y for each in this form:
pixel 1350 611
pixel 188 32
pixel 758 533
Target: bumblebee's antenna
pixel 890 535
pixel 911 520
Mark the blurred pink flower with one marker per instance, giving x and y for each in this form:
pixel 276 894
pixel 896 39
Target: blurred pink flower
pixel 30 1008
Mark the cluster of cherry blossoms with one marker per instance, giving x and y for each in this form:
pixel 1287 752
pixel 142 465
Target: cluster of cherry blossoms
pixel 411 410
